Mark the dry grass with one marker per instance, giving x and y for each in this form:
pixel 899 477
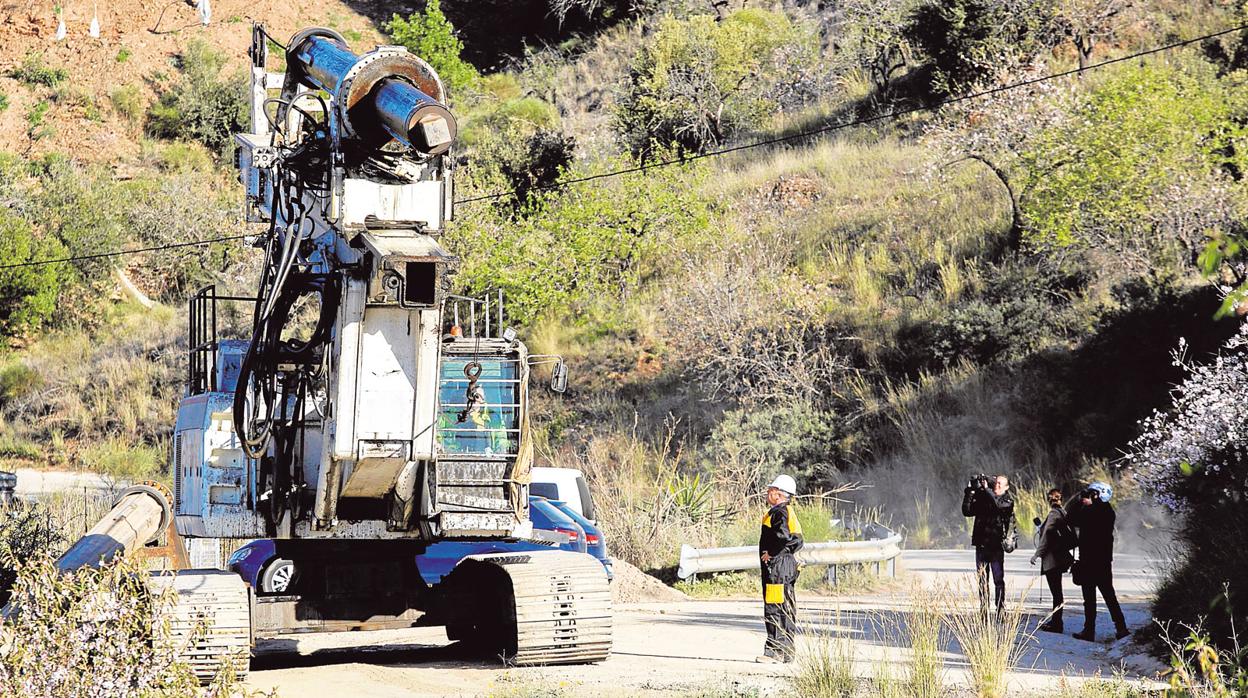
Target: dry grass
pixel 105 397
pixel 992 644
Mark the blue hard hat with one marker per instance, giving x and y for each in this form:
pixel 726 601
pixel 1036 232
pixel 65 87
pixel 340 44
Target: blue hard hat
pixel 1102 490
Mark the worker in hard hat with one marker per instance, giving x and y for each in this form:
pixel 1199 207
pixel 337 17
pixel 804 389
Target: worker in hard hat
pixel 1093 516
pixel 780 539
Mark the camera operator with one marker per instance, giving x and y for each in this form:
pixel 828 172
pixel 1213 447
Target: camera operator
pixel 988 499
pixel 1093 516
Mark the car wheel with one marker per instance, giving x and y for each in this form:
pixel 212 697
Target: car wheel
pixel 279 577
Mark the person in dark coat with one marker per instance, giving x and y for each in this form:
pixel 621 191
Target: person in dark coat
pixel 1054 541
pixel 990 502
pixel 779 540
pixel 1094 517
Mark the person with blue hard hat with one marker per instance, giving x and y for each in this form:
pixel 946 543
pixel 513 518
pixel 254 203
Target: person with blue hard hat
pixel 1094 517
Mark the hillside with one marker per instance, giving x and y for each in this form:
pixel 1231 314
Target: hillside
pixel 96 112
pixel 1012 284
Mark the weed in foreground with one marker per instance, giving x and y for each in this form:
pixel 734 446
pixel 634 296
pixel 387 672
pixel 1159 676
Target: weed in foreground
pixel 826 668
pixel 992 644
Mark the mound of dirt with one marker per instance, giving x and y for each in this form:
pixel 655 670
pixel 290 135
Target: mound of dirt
pixel 631 585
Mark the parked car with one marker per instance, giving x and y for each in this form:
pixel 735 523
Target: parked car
pixel 566 485
pixel 257 562
pixel 595 541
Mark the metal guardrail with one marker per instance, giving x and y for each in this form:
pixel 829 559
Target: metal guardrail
pixel 882 545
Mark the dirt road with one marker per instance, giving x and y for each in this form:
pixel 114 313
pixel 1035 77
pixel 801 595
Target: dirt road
pixel 694 647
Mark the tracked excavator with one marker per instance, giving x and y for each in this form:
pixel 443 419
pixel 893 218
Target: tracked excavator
pixel 372 411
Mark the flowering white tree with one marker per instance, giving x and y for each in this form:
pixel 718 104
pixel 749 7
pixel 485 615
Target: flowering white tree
pixel 1198 450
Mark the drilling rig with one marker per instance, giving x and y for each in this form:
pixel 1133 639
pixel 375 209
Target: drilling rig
pixel 372 411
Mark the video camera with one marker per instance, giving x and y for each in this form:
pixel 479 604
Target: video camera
pixel 979 482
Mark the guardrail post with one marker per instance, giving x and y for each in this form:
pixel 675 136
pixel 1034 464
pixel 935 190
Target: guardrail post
pixel 892 568
pixel 830 575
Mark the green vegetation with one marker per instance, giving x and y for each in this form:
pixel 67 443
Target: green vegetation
pixel 699 81
pixel 430 35
pixel 123 54
pixel 202 104
pixel 128 102
pixel 27 294
pixel 35 73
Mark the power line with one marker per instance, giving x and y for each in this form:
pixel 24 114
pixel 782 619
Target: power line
pixel 710 153
pixel 117 253
pixel 859 122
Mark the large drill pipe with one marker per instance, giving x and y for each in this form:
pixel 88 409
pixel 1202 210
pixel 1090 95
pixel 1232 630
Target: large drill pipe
pixel 378 92
pixel 139 516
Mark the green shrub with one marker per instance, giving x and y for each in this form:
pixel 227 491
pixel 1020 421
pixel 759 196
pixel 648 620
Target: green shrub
pixel 18 379
pixel 967 41
pixel 1134 150
pixel 4 101
pixel 430 35
pixel 27 294
pixel 36 129
pixel 590 241
pixel 698 81
pixel 795 438
pixel 34 72
pixel 1022 308
pixel 203 105
pixel 123 460
pixel 27 532
pixel 129 104
pixel 123 54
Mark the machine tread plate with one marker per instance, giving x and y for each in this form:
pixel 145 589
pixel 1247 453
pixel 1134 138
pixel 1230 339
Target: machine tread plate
pixel 562 607
pixel 210 622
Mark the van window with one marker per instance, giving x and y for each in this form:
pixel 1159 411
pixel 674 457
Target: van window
pixel 549 490
pixel 587 504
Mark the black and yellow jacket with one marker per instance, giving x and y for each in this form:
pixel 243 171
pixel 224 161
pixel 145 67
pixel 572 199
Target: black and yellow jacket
pixel 781 537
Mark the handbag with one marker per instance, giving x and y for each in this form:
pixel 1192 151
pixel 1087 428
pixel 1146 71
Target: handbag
pixel 1009 542
pixel 1076 573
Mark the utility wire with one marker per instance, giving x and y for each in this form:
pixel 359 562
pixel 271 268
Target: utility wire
pixel 859 122
pixel 118 253
pixel 710 153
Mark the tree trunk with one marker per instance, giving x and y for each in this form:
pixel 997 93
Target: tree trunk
pixel 1014 239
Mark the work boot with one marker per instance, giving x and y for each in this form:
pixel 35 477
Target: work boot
pixel 1122 632
pixel 1087 634
pixel 1051 626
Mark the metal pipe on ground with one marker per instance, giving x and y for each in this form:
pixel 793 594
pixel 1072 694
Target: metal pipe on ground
pixel 141 513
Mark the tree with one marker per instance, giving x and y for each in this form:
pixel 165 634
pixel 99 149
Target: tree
pixel 430 35
pixel 997 129
pixel 27 294
pixel 698 81
pixel 590 241
pixel 1150 139
pixel 1089 22
pixel 969 41
pixel 871 38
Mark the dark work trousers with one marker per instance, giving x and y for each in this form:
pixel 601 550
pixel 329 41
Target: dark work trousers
pixel 1054 578
pixel 1102 579
pixel 781 622
pixel 992 562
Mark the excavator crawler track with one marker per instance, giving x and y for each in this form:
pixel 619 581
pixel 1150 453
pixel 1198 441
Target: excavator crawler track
pixel 558 606
pixel 210 620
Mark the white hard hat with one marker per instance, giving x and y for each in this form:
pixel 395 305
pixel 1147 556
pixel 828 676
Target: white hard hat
pixel 785 484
